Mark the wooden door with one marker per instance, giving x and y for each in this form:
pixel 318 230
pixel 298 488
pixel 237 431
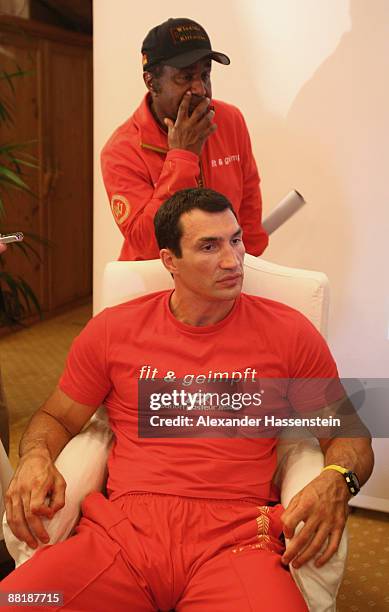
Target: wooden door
pixel 68 71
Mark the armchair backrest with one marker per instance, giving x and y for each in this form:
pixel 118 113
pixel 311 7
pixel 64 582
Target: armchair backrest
pixel 304 290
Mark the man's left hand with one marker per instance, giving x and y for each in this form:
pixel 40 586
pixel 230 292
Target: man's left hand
pixel 323 506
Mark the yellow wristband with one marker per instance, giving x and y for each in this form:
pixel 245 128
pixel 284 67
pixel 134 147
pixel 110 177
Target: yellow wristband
pixel 338 468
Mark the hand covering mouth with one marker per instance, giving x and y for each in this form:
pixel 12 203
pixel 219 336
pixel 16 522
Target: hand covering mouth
pixel 194 102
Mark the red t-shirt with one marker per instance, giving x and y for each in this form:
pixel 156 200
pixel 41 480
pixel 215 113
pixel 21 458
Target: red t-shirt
pixel 106 360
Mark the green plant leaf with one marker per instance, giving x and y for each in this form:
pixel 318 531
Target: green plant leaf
pixel 9 279
pixel 45 241
pixel 24 162
pixel 19 145
pixel 9 76
pixel 12 176
pixel 5 113
pixel 22 247
pixel 25 247
pixel 13 179
pixel 13 307
pixel 16 299
pixel 29 296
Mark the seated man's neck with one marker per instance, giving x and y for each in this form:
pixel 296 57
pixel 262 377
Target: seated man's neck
pixel 193 310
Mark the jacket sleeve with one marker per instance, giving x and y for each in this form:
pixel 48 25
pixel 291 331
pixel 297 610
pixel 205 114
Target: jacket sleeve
pixel 250 214
pixel 133 196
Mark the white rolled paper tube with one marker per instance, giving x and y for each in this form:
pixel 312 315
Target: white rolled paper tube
pixel 283 211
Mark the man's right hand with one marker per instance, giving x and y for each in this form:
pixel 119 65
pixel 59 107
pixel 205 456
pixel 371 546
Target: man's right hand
pixel 36 478
pixel 191 132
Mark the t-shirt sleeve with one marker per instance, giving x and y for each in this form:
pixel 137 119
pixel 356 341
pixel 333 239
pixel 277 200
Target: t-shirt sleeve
pixel 314 381
pixel 85 378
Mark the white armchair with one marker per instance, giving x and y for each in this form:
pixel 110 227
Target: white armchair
pixel 83 460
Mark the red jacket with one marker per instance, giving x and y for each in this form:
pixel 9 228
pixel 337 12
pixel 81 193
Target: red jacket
pixel 140 173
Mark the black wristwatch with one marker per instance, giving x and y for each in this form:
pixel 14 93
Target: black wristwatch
pixel 350 477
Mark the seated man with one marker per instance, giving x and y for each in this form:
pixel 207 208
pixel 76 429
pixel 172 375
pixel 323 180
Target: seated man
pixel 190 523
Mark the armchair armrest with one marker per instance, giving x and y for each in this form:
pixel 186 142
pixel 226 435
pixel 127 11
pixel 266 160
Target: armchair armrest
pixel 83 464
pixel 300 464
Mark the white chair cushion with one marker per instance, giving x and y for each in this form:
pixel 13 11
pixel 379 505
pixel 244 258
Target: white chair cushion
pixel 319 586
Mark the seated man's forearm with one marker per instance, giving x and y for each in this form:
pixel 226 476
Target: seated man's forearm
pixel 54 424
pixel 354 454
pixel 44 433
pixel 37 489
pixel 323 504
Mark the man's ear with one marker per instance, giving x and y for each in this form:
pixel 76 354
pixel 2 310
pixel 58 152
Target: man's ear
pixel 169 260
pixel 149 82
pixel 148 79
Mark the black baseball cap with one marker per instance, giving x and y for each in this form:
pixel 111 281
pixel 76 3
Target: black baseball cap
pixel 179 43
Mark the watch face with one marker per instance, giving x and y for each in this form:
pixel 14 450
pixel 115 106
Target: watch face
pixel 352 482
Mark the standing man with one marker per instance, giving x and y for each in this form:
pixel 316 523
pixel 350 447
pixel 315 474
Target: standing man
pixel 179 138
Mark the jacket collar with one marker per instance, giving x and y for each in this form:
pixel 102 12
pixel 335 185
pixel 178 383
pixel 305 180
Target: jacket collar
pixel 152 135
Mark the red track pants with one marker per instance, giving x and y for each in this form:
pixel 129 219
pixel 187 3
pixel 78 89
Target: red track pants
pixel 146 552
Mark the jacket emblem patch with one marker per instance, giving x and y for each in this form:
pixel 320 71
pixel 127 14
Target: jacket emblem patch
pixel 120 208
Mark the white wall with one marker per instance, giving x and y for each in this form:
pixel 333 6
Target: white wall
pixel 311 79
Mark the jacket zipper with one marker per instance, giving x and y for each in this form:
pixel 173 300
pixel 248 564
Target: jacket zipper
pixel 200 182
pixel 153 148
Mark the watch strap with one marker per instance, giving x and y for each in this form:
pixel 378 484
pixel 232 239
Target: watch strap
pixel 349 476
pixel 338 468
